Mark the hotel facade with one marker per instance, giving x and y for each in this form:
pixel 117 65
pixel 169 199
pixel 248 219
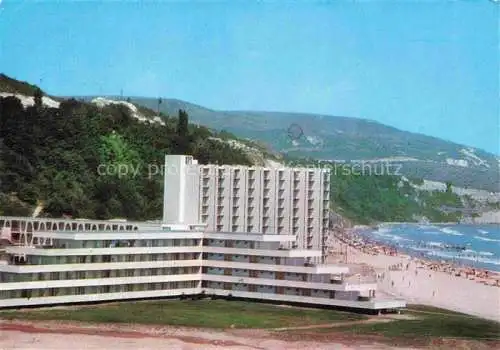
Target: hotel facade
pixel 232 231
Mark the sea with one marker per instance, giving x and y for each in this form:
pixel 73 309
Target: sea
pixel 468 245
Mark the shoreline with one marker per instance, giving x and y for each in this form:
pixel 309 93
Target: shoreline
pixel 457 261
pixel 418 280
pixel 354 239
pixel 428 224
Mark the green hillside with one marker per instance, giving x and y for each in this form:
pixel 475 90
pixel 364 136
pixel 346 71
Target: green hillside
pixel 370 198
pixel 348 139
pixel 99 161
pixel 67 158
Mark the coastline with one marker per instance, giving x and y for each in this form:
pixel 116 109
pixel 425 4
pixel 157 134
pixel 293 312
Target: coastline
pixel 388 223
pixel 418 280
pixel 470 259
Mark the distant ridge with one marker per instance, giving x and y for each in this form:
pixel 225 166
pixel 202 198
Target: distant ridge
pixel 349 138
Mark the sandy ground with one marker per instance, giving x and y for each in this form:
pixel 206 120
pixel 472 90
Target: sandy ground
pixel 54 336
pixel 428 287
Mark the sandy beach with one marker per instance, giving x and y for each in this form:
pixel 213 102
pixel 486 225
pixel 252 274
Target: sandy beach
pixel 466 290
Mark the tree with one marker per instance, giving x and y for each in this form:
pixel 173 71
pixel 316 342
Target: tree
pixel 183 140
pixel 38 97
pixel 182 124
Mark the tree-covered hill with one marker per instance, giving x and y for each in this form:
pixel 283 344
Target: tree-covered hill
pixel 367 198
pixel 8 84
pixel 66 158
pixel 332 137
pixel 103 160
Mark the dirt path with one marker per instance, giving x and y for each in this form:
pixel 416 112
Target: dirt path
pixel 38 335
pixel 26 328
pixel 336 324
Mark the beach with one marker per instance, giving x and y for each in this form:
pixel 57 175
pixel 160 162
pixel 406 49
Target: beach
pixel 419 281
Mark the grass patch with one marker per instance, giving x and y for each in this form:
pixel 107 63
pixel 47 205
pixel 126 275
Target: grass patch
pixel 193 313
pixel 432 309
pixel 429 325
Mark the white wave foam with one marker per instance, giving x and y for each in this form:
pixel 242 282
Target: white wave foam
pixel 449 231
pixel 486 239
pixel 391 237
pixel 427 227
pixel 382 230
pixel 486 253
pixel 483 232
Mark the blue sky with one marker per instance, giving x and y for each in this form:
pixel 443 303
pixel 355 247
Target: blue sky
pixel 428 66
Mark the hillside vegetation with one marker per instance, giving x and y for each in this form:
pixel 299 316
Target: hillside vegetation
pixel 103 160
pixel 7 84
pixel 367 198
pixel 337 138
pixel 67 158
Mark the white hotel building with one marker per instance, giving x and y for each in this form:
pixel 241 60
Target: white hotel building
pixel 246 232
